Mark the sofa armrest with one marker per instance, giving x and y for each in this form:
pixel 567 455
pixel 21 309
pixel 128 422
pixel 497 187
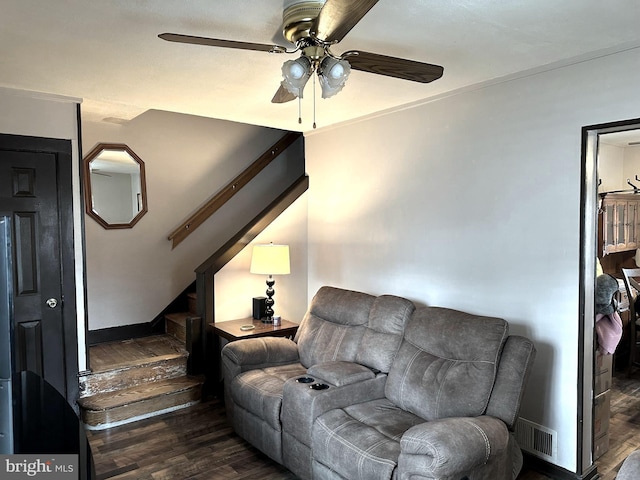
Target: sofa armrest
pixel 453 447
pixel 630 469
pixel 341 373
pixel 252 353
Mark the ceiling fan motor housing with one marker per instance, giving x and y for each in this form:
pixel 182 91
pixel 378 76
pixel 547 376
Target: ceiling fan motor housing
pixel 298 18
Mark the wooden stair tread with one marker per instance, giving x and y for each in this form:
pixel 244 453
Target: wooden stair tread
pixel 141 362
pixel 138 393
pixel 107 356
pixel 179 317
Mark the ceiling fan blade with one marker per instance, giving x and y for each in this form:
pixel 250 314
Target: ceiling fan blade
pixel 283 96
pixel 214 42
pixel 393 67
pixel 338 17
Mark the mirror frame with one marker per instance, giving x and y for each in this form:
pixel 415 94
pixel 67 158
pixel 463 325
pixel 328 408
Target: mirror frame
pixel 99 148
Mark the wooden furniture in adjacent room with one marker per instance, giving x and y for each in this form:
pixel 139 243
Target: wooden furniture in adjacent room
pixel 632 286
pixel 619 223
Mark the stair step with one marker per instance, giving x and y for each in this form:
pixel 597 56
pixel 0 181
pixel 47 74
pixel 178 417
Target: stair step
pixel 106 410
pixel 132 374
pixel 176 325
pixel 126 364
pixel 107 356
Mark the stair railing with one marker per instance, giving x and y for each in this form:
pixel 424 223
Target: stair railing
pixel 233 187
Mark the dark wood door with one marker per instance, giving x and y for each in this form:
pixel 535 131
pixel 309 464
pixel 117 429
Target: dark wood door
pixel 36 194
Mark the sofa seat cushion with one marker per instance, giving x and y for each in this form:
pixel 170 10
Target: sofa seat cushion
pixel 260 391
pixel 362 441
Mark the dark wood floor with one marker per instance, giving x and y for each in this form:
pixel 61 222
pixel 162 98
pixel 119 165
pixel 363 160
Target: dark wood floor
pixel 624 425
pixel 197 443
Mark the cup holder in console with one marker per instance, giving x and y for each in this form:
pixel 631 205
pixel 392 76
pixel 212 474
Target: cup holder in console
pixel 304 380
pixel 319 386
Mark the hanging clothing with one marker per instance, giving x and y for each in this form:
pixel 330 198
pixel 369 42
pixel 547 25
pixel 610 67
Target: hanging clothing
pixel 609 331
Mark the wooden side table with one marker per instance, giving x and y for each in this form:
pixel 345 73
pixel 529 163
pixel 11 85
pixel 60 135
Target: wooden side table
pixel 230 331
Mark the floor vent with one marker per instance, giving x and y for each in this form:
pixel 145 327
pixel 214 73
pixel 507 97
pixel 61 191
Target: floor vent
pixel 536 439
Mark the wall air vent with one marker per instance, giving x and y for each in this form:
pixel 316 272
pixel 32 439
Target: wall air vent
pixel 536 439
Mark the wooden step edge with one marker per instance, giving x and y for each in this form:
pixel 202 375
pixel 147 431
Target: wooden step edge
pixel 141 362
pixel 158 405
pixel 90 423
pixel 112 380
pixel 138 393
pixel 179 317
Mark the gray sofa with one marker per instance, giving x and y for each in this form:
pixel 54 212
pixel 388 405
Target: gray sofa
pixel 630 469
pixel 372 388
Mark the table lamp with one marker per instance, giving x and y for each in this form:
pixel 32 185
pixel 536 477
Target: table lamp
pixel 270 260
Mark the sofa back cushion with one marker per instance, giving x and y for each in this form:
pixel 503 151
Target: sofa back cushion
pixel 382 338
pixel 333 326
pixel 347 326
pixel 447 363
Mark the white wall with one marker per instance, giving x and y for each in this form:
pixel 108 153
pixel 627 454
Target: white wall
pixel 132 274
pixel 234 287
pixel 631 165
pixel 616 165
pixel 50 116
pixel 611 168
pixel 473 202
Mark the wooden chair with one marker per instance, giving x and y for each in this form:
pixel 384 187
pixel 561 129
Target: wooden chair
pixel 629 275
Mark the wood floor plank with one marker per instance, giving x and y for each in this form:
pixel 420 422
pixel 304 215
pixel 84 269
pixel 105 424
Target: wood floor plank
pixel 197 444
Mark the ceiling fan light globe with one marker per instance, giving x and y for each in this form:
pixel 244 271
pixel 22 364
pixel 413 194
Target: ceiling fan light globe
pixel 295 75
pixel 329 89
pixel 337 71
pixel 295 71
pixel 333 74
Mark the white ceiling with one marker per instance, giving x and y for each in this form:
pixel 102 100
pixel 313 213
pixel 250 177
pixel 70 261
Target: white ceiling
pixel 107 52
pixel 623 139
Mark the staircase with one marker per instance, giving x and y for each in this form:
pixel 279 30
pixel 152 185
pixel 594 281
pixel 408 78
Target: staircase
pixel 145 376
pixel 139 378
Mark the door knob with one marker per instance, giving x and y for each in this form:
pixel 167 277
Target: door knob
pixel 52 302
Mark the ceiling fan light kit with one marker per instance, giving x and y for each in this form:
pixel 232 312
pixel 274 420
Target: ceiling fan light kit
pixel 313 27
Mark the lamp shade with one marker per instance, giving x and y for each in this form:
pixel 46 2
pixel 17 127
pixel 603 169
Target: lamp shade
pixel 270 259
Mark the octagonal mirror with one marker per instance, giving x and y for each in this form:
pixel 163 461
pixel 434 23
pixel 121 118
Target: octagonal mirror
pixel 115 190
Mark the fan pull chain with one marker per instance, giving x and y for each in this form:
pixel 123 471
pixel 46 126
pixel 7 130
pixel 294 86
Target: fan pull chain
pixel 299 110
pixel 314 104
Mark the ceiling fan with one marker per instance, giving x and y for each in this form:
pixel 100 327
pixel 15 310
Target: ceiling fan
pixel 314 27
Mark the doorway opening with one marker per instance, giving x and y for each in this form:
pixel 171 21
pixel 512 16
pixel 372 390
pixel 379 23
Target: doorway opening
pixel 610 242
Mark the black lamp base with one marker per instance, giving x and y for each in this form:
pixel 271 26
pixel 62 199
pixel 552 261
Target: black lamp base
pixel 269 302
